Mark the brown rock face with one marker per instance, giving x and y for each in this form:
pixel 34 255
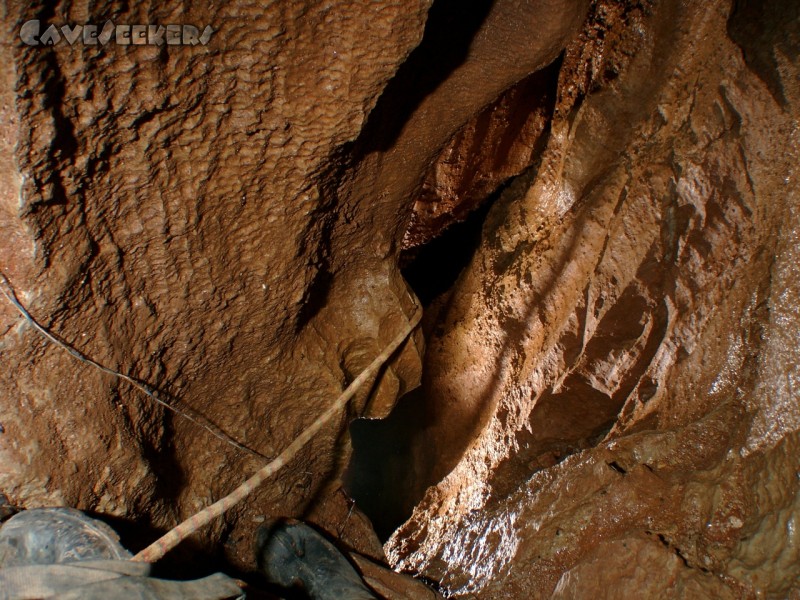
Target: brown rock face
pixel 499 143
pixel 609 381
pixel 222 221
pixel 610 385
pixel 170 214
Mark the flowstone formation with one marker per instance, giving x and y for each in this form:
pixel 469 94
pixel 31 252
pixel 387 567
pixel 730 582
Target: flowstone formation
pixel 610 386
pixel 611 382
pixel 222 222
pixel 170 211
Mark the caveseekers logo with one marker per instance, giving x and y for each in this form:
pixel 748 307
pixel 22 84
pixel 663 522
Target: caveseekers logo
pixel 123 35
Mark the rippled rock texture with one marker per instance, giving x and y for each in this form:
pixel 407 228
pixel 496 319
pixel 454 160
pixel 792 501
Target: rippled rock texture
pixel 173 213
pixel 612 382
pixel 223 222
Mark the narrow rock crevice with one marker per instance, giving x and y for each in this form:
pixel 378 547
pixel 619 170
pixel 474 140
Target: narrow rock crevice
pixel 452 198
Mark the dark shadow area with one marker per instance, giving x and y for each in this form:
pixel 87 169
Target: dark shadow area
pixel 320 229
pixel 761 28
pixel 381 476
pixel 432 269
pixel 378 477
pixel 449 30
pixel 190 559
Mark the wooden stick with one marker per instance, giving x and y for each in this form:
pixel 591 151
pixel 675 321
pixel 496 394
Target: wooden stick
pixel 175 536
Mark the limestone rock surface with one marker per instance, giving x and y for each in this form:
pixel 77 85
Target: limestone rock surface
pixel 611 385
pixel 167 210
pixel 610 389
pixel 222 222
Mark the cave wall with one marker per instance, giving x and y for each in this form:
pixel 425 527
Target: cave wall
pixel 168 211
pixel 222 222
pixel 611 381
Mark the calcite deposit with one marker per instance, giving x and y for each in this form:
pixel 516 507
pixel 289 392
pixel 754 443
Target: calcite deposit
pixel 610 388
pixel 612 380
pixel 168 211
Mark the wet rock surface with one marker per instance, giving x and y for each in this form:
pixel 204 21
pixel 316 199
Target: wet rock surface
pixel 222 222
pixel 610 386
pixel 496 145
pixel 168 211
pixel 609 380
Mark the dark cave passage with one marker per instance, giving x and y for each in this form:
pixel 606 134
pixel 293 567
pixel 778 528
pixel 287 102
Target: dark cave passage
pixel 380 476
pixel 501 145
pixel 432 270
